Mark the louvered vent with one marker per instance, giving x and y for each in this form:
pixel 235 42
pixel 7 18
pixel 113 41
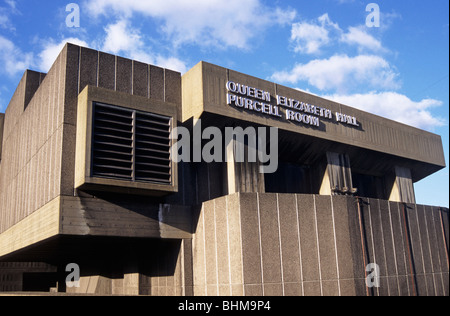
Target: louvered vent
pixel 131 145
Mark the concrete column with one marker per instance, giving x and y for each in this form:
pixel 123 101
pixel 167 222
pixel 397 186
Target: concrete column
pixel 131 280
pixel 337 178
pixel 244 177
pixel 402 186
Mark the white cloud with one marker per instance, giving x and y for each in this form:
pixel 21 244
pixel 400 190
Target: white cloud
pixel 359 37
pixel 395 106
pixel 4 21
pixel 348 80
pixel 171 63
pixel 51 51
pixel 5 12
pixel 12 4
pixel 12 59
pixel 343 73
pixel 203 22
pixel 309 38
pixel 122 38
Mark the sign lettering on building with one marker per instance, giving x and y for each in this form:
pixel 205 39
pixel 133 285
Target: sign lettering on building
pixel 257 100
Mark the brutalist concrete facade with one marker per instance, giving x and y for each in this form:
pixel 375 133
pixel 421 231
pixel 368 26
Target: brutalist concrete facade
pixel 292 244
pixel 342 197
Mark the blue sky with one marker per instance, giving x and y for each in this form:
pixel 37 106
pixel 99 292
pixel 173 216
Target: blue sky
pixel 398 69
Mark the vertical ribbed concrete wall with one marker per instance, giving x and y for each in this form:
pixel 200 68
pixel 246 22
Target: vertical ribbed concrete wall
pixel 287 244
pixel 32 145
pixel 38 148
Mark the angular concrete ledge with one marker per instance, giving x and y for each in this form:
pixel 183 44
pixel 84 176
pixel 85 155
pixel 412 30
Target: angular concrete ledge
pixel 41 225
pixel 84 216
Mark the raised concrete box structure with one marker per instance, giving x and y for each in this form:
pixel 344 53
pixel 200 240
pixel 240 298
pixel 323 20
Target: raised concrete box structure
pixel 87 176
pixel 93 126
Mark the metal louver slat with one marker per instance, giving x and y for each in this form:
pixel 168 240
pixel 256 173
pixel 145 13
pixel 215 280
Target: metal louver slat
pixel 131 145
pixel 112 138
pixel 152 139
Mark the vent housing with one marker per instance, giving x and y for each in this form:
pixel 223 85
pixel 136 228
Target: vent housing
pixel 123 144
pixel 131 145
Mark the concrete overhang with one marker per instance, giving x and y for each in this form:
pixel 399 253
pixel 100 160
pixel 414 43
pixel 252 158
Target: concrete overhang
pixel 375 144
pixel 96 218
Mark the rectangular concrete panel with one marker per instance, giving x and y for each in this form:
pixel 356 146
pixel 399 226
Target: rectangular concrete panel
pixel 445 223
pixel 88 68
pixel 290 240
pixel 308 238
pixel 251 247
pixel 270 239
pixel 312 288
pixel 343 243
pixel 424 241
pixel 223 260
pixel 157 83
pixel 434 255
pixel 187 268
pixel 124 74
pixel 330 288
pixel 413 226
pixel 397 232
pixel 325 230
pixel 358 243
pixel 210 249
pixel 388 243
pixel 378 246
pixel 440 240
pixel 172 83
pixel 389 249
pixel 106 71
pixel 235 244
pixel 199 259
pixel 140 79
pixel 71 79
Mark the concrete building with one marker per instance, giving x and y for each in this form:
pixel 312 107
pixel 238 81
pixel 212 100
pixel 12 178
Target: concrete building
pixel 87 177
